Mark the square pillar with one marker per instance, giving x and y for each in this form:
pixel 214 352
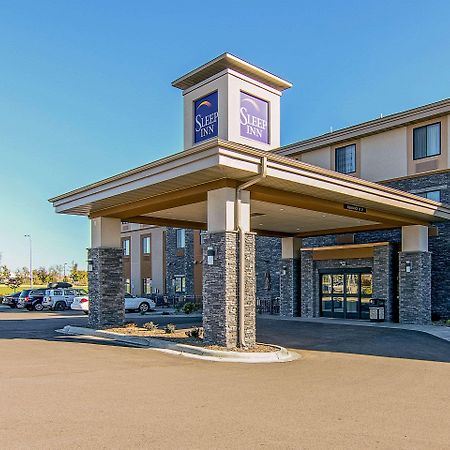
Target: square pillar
pixel 290 276
pixel 415 276
pixel 221 272
pixel 383 278
pixel 309 305
pixel 106 284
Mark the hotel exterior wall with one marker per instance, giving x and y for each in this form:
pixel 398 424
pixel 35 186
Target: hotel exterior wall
pixel 439 246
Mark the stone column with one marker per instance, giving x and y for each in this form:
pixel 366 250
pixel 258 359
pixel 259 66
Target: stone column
pixel 415 276
pixel 221 272
pixel 290 277
pixel 106 284
pixel 383 277
pixel 309 303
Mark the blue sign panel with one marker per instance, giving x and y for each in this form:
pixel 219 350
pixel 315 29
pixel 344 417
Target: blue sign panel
pixel 254 118
pixel 206 117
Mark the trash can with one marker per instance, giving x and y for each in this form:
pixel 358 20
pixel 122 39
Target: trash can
pixel 377 310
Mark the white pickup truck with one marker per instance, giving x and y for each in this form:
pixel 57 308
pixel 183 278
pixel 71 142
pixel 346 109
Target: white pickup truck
pixel 60 299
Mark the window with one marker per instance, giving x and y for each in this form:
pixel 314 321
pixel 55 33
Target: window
pixel 127 285
pixel 146 285
pixel 146 245
pixel 179 284
pixel 345 159
pixel 181 238
pixel 126 247
pixel 427 141
pixel 431 195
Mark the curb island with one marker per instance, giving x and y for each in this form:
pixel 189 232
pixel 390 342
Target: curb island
pixel 280 354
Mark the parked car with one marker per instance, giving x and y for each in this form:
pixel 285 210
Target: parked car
pixel 132 303
pixel 11 300
pixel 33 302
pixel 61 298
pixel 23 298
pixel 80 303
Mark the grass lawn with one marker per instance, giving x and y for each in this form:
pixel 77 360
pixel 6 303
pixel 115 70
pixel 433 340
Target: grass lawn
pixel 4 289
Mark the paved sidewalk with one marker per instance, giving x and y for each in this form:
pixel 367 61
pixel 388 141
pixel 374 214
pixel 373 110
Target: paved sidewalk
pixel 439 331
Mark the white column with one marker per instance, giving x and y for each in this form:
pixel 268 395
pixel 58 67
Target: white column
pixel 415 238
pixel 135 264
pixel 221 210
pixel 105 232
pixel 290 248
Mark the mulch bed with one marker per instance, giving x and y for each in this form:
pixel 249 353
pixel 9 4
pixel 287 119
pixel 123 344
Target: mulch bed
pixel 180 337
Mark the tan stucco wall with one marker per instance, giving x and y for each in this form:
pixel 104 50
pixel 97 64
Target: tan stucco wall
pixel 135 231
pixel 384 155
pixel 320 157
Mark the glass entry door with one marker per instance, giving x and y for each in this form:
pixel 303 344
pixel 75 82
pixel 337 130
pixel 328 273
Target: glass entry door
pixel 346 293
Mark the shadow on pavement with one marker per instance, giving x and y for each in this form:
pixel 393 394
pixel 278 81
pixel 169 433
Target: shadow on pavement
pixel 359 340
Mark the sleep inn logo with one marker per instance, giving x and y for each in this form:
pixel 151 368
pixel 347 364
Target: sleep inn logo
pixel 206 112
pixel 254 118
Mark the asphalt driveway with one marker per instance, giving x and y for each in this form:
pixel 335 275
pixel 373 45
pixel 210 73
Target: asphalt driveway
pixel 298 335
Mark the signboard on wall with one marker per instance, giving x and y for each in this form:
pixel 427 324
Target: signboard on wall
pixel 254 118
pixel 206 117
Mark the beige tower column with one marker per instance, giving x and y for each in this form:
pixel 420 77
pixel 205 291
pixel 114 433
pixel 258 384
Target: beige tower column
pixel 224 309
pixel 106 287
pixel 415 276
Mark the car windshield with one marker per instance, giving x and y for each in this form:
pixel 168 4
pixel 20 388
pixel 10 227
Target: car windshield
pixel 129 296
pixel 81 292
pixel 25 293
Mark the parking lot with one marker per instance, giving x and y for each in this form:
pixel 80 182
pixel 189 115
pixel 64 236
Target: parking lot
pixel 64 392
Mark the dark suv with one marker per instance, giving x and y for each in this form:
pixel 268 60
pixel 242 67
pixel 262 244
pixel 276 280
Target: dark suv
pixel 33 301
pixel 11 299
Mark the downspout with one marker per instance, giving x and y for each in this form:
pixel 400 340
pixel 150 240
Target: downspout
pixel 241 234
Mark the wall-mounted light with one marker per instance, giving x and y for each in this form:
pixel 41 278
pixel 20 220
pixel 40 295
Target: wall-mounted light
pixel 210 254
pixel 90 265
pixel 408 267
pixel 284 271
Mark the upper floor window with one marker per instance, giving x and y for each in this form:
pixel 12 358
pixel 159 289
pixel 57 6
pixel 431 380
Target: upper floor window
pixel 427 141
pixel 181 238
pixel 431 195
pixel 126 247
pixel 179 282
pixel 345 159
pixel 146 245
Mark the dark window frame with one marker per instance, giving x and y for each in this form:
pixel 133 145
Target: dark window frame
pixel 336 151
pixel 416 158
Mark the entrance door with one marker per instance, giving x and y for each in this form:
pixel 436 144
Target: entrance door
pixel 345 293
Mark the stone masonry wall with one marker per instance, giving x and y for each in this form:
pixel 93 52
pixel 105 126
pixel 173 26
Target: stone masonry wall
pixel 268 256
pixel 289 287
pixel 106 287
pixel 415 288
pixel 384 279
pixel 179 263
pixel 220 290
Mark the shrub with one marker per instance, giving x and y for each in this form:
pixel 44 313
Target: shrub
pixel 150 326
pixel 130 324
pixel 196 332
pixel 170 328
pixel 189 307
pixel 448 323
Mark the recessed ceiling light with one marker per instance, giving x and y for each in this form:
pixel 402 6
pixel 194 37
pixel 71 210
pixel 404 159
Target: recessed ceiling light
pixel 298 229
pixel 281 209
pixel 260 224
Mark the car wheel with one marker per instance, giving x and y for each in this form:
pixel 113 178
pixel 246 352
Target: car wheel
pixel 38 307
pixel 60 306
pixel 144 307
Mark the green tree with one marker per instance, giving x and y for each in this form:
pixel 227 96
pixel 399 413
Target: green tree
pixel 14 282
pixel 5 274
pixel 74 273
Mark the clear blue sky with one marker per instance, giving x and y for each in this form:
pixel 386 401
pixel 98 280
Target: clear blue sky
pixel 85 86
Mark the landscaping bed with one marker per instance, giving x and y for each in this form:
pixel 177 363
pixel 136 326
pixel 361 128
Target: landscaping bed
pixel 182 336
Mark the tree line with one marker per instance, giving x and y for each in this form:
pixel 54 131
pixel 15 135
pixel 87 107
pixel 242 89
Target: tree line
pixel 42 275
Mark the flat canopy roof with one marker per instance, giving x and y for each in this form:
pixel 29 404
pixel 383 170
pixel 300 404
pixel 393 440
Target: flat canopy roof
pixel 295 198
pixel 229 61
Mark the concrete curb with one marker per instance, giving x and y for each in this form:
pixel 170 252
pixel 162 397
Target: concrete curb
pixel 189 351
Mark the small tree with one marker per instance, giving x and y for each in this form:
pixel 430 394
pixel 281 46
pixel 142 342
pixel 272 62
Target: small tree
pixel 74 273
pixel 5 274
pixel 14 283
